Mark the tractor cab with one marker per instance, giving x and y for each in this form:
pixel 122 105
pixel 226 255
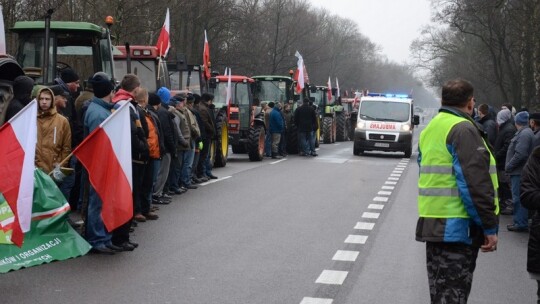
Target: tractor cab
pixel 143 61
pixel 185 77
pixel 82 46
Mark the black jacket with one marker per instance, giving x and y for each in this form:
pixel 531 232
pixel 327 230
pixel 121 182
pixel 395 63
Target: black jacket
pixel 506 133
pixel 157 123
pixel 530 198
pixel 139 144
pixel 489 126
pixel 167 127
pixel 305 118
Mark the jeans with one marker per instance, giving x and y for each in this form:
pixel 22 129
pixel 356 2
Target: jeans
pixel 187 165
pixel 521 217
pixel 147 185
pixel 207 166
pixel 174 172
pixel 69 181
pixel 312 142
pixel 163 174
pixel 268 144
pixel 96 233
pixel 303 142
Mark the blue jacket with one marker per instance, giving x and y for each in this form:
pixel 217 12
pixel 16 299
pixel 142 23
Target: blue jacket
pixel 519 150
pixel 276 121
pixel 97 112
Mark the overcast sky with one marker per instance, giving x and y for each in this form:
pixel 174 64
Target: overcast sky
pixel 392 24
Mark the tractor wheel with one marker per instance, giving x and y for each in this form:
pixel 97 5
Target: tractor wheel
pixel 352 125
pixel 341 127
pixel 317 137
pixel 222 142
pixel 256 143
pixel 239 149
pixel 292 140
pixel 334 129
pixel 327 130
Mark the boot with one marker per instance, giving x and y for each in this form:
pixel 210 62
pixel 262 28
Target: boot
pixel 276 156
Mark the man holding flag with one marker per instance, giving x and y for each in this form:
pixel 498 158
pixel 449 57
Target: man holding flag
pixel 99 109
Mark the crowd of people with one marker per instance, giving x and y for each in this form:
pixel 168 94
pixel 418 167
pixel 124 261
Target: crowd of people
pixel 491 157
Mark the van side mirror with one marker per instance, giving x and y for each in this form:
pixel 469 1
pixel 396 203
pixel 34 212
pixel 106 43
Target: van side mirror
pixel 415 120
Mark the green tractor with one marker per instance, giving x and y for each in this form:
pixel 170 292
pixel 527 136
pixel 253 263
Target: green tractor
pixel 281 89
pixel 327 115
pixel 82 46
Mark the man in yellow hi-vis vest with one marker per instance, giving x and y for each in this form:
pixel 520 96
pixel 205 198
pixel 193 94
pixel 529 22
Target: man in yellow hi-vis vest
pixel 457 199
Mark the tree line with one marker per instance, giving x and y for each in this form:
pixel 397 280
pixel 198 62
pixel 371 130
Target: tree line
pixel 495 44
pixel 253 37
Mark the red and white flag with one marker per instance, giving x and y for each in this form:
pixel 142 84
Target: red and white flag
pixel 228 100
pixel 163 43
pixel 18 138
pixel 206 57
pixel 299 73
pixel 337 87
pixel 2 33
pixel 106 155
pixel 329 93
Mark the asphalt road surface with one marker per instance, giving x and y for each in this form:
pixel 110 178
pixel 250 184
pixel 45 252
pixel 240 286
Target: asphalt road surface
pixel 336 228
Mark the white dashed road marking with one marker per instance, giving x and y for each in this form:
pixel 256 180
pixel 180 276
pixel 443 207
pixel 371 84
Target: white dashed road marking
pixel 345 255
pixel 375 206
pixel 333 277
pixel 364 226
pixel 308 300
pixel 356 239
pixel 372 215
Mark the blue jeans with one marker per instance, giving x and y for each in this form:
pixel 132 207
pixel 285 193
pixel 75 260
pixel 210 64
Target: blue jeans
pixel 207 166
pixel 156 164
pixel 521 215
pixel 175 171
pixel 187 165
pixel 69 181
pixel 303 142
pixel 96 233
pixel 268 144
pixel 312 142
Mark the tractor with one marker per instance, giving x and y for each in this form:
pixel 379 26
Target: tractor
pixel 246 127
pixel 327 114
pixel 143 61
pixel 281 89
pixel 82 46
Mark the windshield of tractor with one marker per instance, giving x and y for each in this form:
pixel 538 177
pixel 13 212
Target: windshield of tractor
pixel 384 110
pixel 186 80
pixel 275 91
pixel 146 70
pixel 319 98
pixel 76 51
pixel 240 94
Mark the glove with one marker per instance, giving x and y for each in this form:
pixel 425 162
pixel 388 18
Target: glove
pixel 201 145
pixel 57 174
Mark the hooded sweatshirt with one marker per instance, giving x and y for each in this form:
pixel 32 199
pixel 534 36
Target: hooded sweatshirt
pixel 53 137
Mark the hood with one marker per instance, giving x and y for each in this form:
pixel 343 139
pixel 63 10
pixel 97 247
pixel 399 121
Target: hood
pixel 122 95
pixel 52 109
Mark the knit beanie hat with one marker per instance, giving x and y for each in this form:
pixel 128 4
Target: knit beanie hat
pixel 503 116
pixel 522 118
pixel 164 94
pixel 22 87
pixel 102 85
pixel 68 75
pixel 153 99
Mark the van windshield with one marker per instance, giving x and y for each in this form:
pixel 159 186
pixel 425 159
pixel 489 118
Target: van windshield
pixel 384 111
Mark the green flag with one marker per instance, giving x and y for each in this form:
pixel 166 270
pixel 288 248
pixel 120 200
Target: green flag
pixel 50 237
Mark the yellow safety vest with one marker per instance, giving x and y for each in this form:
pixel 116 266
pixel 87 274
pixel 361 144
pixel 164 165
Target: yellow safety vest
pixel 439 195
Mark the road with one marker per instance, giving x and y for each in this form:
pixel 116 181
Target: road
pixel 334 229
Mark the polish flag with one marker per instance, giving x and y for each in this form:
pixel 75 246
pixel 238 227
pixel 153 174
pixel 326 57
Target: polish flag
pixel 17 152
pixel 106 155
pixel 337 87
pixel 2 33
pixel 299 73
pixel 163 42
pixel 329 93
pixel 206 57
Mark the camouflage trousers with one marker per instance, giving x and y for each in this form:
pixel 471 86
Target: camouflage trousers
pixel 450 268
